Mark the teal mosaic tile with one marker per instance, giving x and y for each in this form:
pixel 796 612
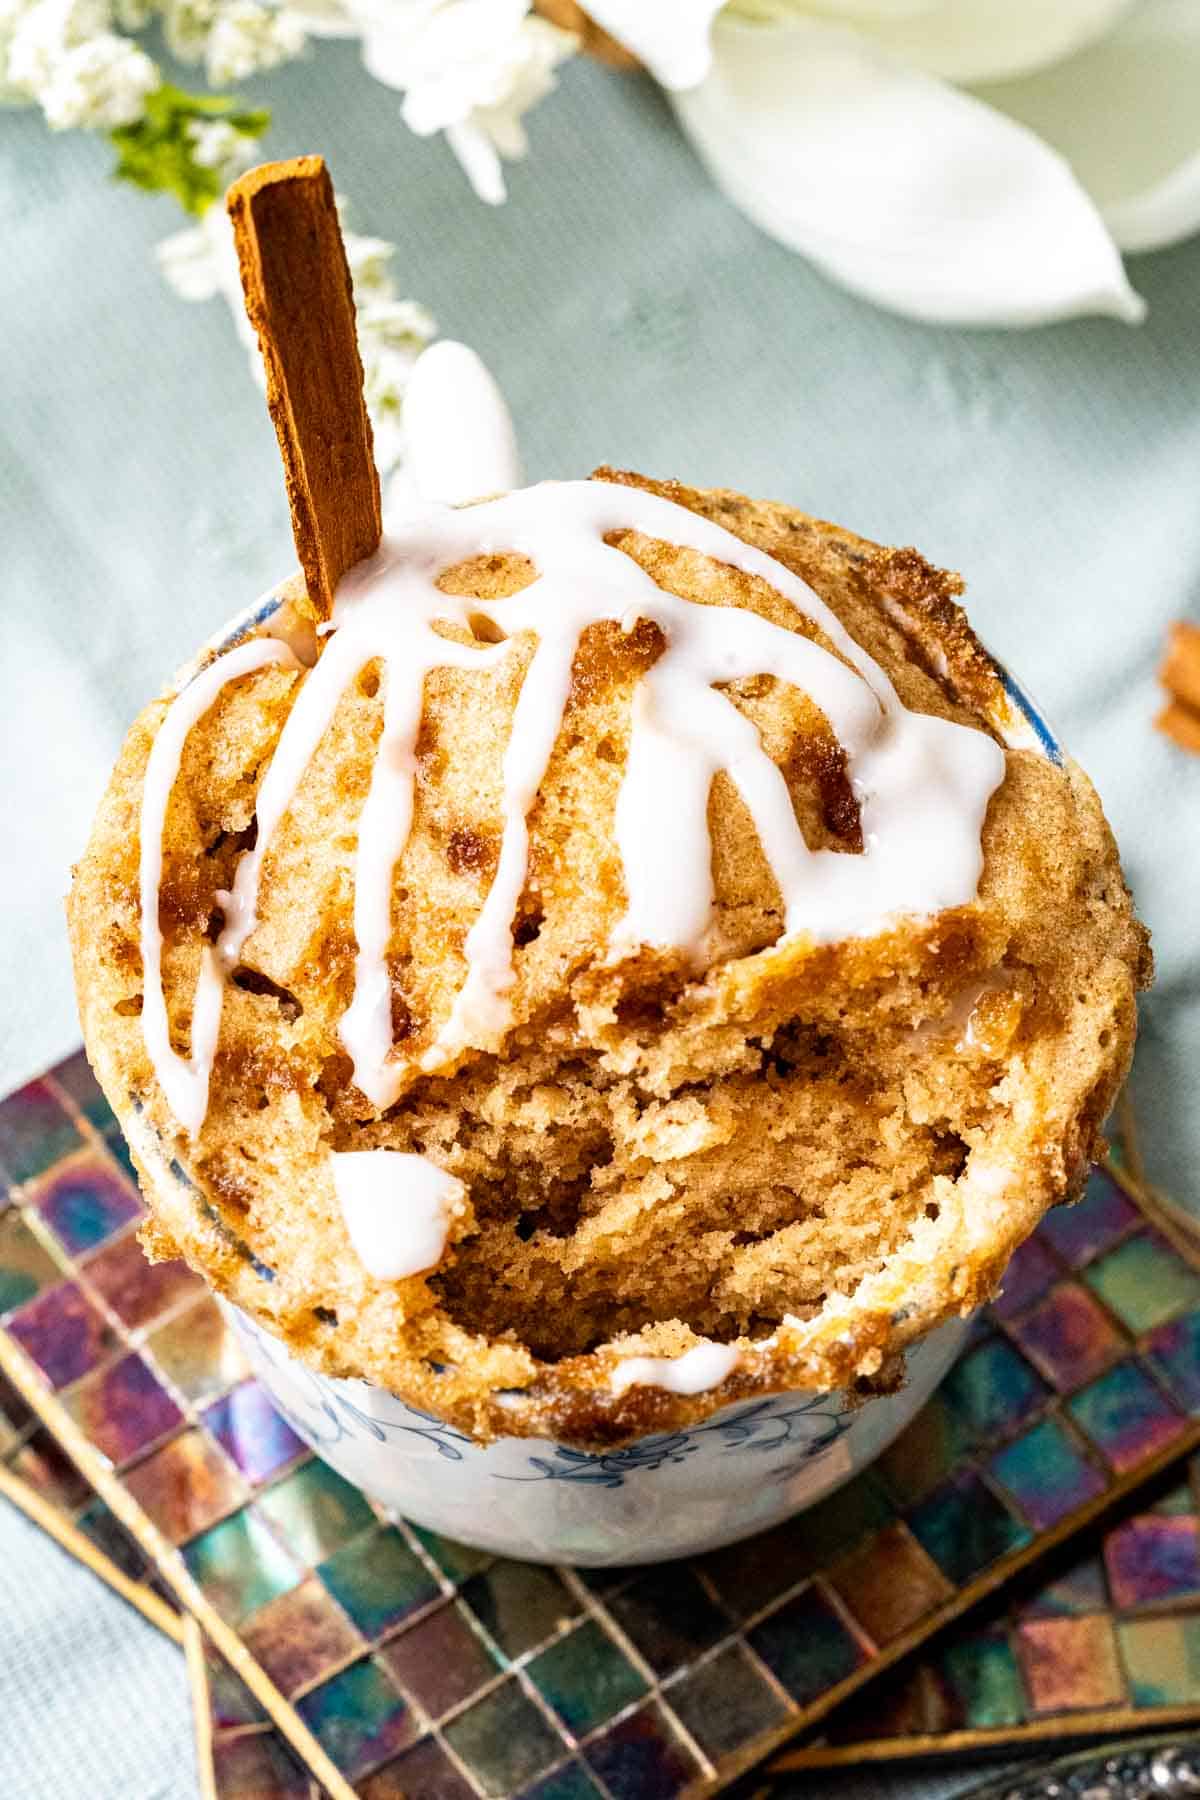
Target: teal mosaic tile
pixel 359 1718
pixel 1126 1416
pixel 993 1390
pixel 1174 1353
pixel 85 1202
pixel 965 1528
pixel 571 1782
pixel 1047 1474
pixel 315 1511
pixel 456 1561
pixel 241 1565
pixel 981 1682
pixel 504 1740
pixel 585 1678
pixel 807 1646
pixel 378 1581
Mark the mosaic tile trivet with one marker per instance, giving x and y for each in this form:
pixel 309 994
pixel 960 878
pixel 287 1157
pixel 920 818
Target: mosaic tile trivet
pixel 1109 1642
pixel 426 1668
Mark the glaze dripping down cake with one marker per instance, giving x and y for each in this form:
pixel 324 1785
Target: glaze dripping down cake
pixel 629 962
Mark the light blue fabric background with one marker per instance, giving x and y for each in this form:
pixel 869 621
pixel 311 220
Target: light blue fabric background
pixel 631 317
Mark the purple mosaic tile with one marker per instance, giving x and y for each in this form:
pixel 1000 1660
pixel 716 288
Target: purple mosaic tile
pixel 1032 1270
pixel 641 1756
pixel 252 1433
pixel 1150 1559
pixel 1081 1232
pixel 124 1409
pixel 1069 1336
pixel 63 1333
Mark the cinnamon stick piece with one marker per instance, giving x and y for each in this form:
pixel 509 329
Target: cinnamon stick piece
pixel 300 302
pixel 1180 675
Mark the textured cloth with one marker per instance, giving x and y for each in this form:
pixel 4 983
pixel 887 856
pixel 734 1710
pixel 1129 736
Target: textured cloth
pixel 632 317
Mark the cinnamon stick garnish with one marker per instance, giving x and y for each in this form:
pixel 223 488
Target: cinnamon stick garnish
pixel 300 301
pixel 1180 675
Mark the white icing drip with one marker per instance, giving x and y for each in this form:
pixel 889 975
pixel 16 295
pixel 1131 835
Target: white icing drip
pixel 922 783
pixel 699 1369
pixel 397 1209
pixel 185 1083
pixel 459 441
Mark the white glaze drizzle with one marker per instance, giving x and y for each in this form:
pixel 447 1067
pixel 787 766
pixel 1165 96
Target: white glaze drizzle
pixel 184 1081
pixel 696 1371
pixel 397 1209
pixel 922 783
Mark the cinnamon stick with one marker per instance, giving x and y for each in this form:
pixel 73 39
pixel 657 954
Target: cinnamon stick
pixel 1180 675
pixel 300 301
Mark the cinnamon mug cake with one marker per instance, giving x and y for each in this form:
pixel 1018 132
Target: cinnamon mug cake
pixel 606 1006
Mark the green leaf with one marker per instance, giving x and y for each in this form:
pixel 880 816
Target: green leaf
pixel 157 153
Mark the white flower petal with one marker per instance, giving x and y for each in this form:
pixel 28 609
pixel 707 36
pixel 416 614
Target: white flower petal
pixel 1126 115
pixel 672 40
pixel 993 40
pixel 910 192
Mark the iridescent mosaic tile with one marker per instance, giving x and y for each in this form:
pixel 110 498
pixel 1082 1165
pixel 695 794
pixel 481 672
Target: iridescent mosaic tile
pixel 136 1290
pixel 505 1741
pixel 258 1766
pixel 1068 1336
pixel 198 1352
pixel 1127 1416
pixel 186 1486
pixel 641 1756
pixel 586 1678
pixel 251 1433
pixel 301 1636
pixel 241 1565
pixel 85 1202
pixel 429 1668
pixel 379 1581
pixel 1145 1282
pixel 63 1333
pixel 36 1131
pixel 440 1660
pixel 1047 1473
pixel 74 1078
pixel 1153 1559
pixel 26 1265
pixel 1102 1216
pixel 1111 1640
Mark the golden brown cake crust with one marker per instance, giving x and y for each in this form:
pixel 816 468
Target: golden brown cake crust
pixel 819 1152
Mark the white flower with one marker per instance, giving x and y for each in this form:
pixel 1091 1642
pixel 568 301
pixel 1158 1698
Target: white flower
pixel 100 84
pixel 247 37
pixel 201 262
pixel 975 162
pixel 63 54
pixel 470 68
pixel 216 144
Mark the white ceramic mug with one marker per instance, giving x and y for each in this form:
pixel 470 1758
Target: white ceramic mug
pixel 672 1494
